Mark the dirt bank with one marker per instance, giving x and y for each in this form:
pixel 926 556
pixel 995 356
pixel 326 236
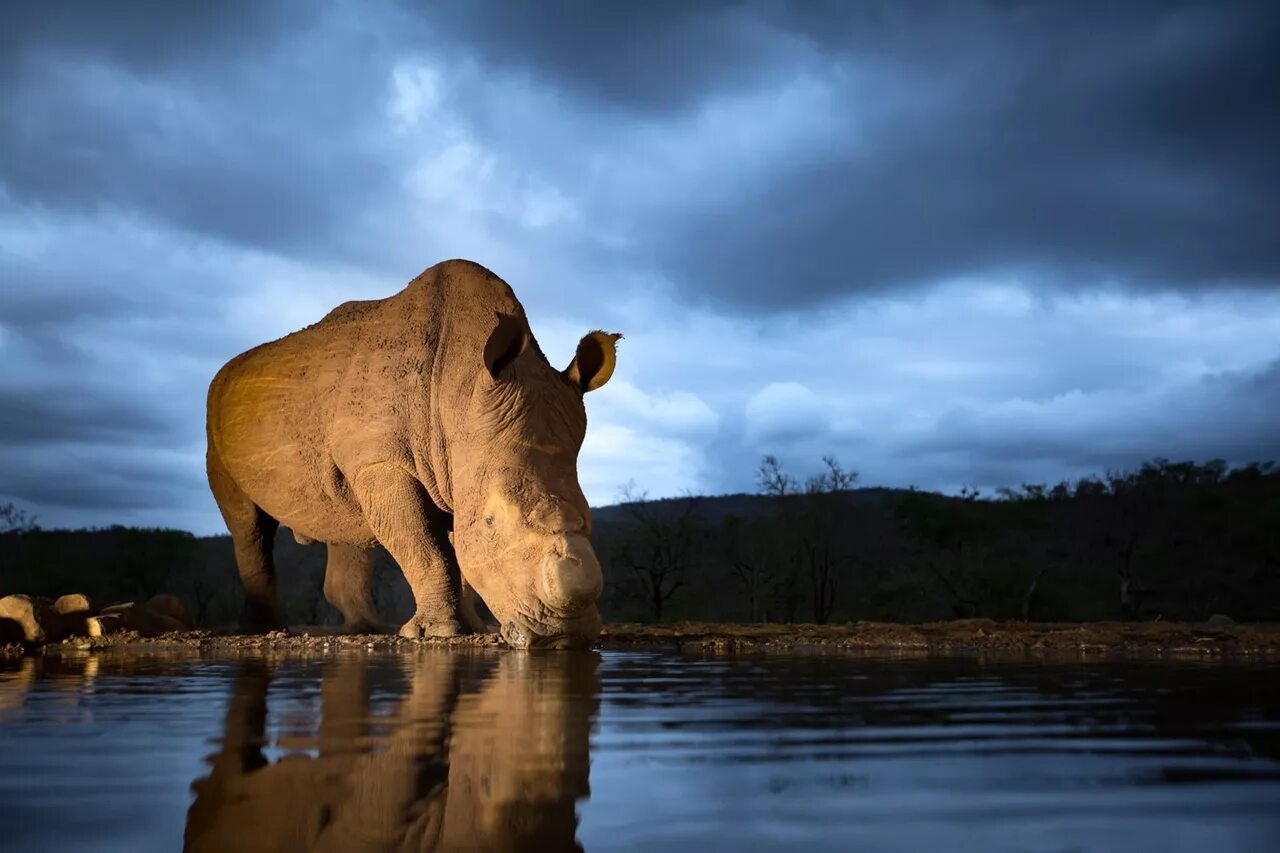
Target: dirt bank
pixel 966 636
pixel 971 636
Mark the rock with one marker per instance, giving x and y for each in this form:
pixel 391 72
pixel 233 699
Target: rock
pixel 75 603
pixel 119 608
pixel 73 611
pixel 10 632
pixel 168 623
pixel 35 619
pixel 171 607
pixel 1219 620
pixel 131 616
pixel 142 619
pixel 107 623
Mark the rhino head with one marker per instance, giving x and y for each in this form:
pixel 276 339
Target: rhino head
pixel 521 525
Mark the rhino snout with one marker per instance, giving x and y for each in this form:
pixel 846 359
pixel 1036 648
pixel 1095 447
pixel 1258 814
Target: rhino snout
pixel 571 577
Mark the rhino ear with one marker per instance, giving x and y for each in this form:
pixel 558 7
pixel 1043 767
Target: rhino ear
pixel 508 339
pixel 594 362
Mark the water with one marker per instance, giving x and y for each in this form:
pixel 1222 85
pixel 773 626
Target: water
pixel 489 750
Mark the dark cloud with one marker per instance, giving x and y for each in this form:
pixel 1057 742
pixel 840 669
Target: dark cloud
pixel 179 182
pixel 1070 152
pixel 145 34
pixel 95 484
pixel 247 122
pixel 51 414
pixel 1069 144
pixel 1074 144
pixel 654 57
pixel 1229 415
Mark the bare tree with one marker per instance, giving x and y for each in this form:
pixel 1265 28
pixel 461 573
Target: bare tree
pixel 773 481
pixel 661 548
pixel 776 483
pixel 203 594
pixel 834 479
pixel 15 520
pixel 809 523
pixel 955 535
pixel 818 534
pixel 749 566
pixel 1124 535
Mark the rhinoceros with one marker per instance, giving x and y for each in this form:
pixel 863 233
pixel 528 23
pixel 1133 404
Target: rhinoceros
pixel 428 422
pixel 491 756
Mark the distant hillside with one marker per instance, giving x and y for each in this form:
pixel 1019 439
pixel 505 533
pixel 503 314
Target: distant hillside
pixel 1171 540
pixel 716 508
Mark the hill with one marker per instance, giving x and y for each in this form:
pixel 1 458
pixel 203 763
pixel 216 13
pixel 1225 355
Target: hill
pixel 1171 541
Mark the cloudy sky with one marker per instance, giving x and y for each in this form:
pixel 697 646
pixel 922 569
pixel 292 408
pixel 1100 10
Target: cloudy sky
pixel 955 244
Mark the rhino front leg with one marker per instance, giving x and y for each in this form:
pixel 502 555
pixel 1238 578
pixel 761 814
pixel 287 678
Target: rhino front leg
pixel 414 531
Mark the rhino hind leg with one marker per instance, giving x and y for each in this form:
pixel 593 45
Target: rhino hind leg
pixel 348 585
pixel 253 535
pixel 415 532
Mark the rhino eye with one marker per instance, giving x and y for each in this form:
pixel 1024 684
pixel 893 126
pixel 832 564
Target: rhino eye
pixel 488 521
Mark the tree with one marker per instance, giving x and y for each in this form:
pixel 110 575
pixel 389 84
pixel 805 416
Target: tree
pixel 834 479
pixel 956 533
pixel 749 566
pixel 822 506
pixel 146 561
pixel 808 523
pixel 779 486
pixel 1130 494
pixel 15 520
pixel 661 548
pixel 203 594
pixel 773 481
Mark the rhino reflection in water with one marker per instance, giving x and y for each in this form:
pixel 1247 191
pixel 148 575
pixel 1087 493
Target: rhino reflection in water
pixel 424 422
pixel 494 765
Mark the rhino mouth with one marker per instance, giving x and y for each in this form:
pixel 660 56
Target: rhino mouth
pixel 577 632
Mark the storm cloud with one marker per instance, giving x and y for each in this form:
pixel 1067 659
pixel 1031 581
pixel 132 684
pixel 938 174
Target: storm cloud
pixel 954 244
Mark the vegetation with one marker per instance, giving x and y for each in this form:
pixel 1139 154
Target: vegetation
pixel 1174 541
pixel 1166 541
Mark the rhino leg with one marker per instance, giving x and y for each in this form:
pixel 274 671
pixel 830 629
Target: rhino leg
pixel 253 535
pixel 406 523
pixel 467 611
pixel 239 756
pixel 348 585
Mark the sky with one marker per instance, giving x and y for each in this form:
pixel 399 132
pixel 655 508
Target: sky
pixel 953 244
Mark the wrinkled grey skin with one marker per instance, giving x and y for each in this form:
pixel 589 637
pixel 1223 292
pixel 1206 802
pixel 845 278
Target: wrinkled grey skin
pixel 428 422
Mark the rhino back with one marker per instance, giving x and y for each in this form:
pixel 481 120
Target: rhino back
pixel 272 413
pixel 292 420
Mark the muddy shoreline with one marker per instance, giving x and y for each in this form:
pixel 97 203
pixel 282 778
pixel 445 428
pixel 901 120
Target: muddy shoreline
pixel 981 637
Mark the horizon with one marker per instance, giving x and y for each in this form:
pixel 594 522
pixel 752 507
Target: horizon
pixel 953 246
pixel 28 524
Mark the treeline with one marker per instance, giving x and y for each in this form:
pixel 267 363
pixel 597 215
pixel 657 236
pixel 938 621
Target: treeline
pixel 1175 541
pixel 119 564
pixel 1167 541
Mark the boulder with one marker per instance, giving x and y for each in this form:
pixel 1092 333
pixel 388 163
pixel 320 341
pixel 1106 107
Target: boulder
pixel 142 619
pixel 37 621
pixel 73 611
pixel 1219 620
pixel 171 624
pixel 171 607
pixel 130 616
pixel 10 632
pixel 107 623
pixel 74 603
